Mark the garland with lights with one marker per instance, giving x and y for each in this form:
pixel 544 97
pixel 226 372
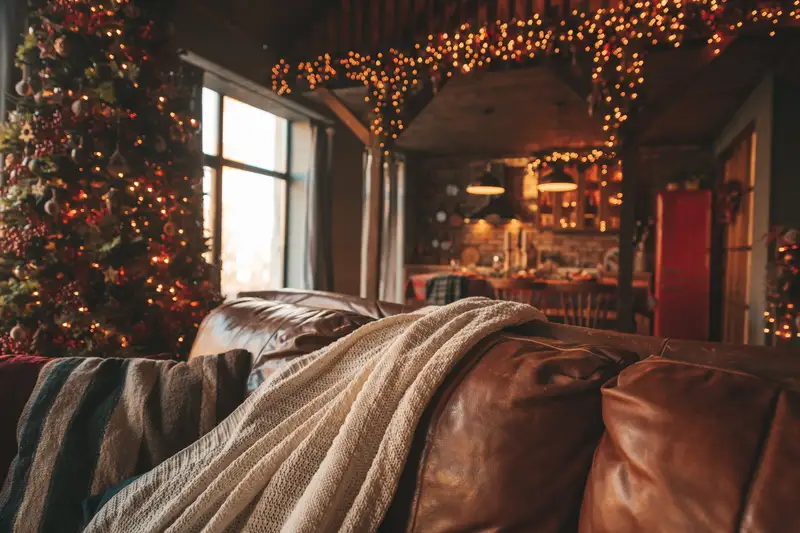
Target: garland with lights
pixel 783 320
pixel 614 41
pixel 100 189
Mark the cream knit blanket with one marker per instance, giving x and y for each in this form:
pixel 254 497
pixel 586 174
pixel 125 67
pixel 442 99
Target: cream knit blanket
pixel 321 445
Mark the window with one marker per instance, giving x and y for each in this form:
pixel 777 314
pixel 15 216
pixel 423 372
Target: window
pixel 245 187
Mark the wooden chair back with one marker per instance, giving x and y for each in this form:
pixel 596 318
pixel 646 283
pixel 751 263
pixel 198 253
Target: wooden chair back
pixel 588 305
pixel 521 291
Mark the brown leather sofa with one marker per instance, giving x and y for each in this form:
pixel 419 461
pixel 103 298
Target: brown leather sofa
pixel 550 428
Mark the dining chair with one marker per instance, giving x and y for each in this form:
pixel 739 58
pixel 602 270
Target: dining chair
pixel 522 291
pixel 588 305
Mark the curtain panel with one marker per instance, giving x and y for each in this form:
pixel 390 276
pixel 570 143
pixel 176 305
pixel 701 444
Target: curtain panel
pixel 12 26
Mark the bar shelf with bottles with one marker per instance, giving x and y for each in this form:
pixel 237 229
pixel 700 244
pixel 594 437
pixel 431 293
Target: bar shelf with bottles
pixel 593 207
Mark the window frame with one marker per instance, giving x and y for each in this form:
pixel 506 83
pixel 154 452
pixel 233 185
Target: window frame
pixel 218 162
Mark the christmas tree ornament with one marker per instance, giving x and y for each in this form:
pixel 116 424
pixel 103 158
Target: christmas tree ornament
pixel 62 46
pixel 111 275
pixel 26 132
pixel 80 107
pixel 117 165
pixel 11 161
pixel 18 333
pixel 35 165
pixel 112 200
pixel 23 88
pixel 19 272
pixel 170 229
pixel 52 207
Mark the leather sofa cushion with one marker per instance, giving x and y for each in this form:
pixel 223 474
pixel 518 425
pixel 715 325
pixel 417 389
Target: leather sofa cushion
pixel 333 301
pixel 262 327
pixel 507 444
pixel 692 447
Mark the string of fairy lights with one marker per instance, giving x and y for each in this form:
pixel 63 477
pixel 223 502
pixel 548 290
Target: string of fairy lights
pixel 614 41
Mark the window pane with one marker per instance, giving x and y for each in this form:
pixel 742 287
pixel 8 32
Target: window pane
pixel 209 176
pixel 210 122
pixel 253 136
pixel 253 223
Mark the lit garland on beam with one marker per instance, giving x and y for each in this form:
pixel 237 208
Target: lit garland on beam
pixel 613 41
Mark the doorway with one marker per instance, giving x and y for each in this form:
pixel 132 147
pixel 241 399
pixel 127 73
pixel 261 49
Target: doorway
pixel 735 210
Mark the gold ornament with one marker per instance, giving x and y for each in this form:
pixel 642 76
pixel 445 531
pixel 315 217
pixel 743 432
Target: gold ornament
pixel 111 275
pixel 26 132
pixel 61 46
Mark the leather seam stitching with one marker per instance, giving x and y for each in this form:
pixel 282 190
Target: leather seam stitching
pixel 664 344
pixel 751 481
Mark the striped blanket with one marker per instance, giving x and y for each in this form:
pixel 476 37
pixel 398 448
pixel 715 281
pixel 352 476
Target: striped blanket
pixel 92 423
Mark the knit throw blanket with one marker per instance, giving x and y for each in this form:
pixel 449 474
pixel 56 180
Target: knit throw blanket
pixel 92 423
pixel 320 446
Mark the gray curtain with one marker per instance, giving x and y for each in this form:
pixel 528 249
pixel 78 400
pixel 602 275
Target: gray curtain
pixel 393 230
pixel 319 274
pixel 12 25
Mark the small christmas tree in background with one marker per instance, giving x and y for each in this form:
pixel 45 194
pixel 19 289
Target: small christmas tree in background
pixel 100 194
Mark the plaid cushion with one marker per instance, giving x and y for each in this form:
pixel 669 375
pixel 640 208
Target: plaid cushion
pixel 443 290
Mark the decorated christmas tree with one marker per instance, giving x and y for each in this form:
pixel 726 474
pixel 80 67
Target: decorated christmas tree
pixel 101 235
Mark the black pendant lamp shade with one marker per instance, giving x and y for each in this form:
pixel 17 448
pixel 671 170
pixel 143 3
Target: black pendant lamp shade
pixel 498 209
pixel 557 181
pixel 486 185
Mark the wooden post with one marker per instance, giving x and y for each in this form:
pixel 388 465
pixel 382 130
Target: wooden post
pixel 371 221
pixel 625 318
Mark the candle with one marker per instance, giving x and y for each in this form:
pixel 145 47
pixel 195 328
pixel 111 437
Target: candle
pixel 523 240
pixel 507 242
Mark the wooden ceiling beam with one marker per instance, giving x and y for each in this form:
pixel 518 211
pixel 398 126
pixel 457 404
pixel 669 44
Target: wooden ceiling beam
pixel 344 114
pixel 417 102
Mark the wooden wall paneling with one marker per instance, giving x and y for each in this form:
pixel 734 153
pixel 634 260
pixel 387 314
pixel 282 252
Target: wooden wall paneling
pixel 357 28
pixel 450 15
pixel 419 28
pixel 461 12
pixel 375 25
pixel 405 22
pixel 483 13
pixel 389 24
pixel 555 8
pixel 345 18
pixel 503 9
pixel 539 7
pixel 520 9
pixel 332 33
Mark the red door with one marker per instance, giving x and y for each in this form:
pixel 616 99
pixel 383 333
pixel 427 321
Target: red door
pixel 683 245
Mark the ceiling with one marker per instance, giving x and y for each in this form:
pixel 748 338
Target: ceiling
pixel 520 111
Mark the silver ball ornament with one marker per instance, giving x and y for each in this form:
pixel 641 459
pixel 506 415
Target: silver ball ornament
pixel 18 333
pixel 52 207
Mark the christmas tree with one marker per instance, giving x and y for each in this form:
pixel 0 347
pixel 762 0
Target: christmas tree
pixel 101 229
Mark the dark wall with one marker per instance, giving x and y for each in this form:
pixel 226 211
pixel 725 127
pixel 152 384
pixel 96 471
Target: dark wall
pixel 347 201
pixel 785 197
